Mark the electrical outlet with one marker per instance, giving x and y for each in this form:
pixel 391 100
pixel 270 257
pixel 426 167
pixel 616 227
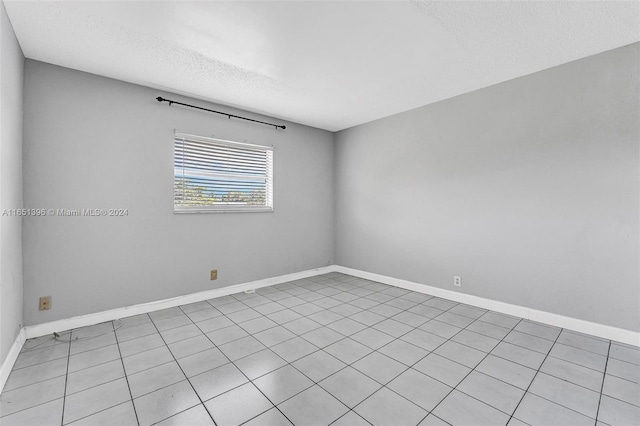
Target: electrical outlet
pixel 214 274
pixel 457 281
pixel 45 303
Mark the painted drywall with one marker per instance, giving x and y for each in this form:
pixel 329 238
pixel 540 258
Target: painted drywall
pixel 529 190
pixel 11 98
pixel 93 142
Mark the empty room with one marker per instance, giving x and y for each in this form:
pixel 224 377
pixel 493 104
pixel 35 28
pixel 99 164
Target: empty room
pixel 389 213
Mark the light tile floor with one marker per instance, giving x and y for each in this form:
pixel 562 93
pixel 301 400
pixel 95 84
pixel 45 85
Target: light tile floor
pixel 331 349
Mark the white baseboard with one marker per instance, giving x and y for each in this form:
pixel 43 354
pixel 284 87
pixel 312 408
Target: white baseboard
pixel 582 326
pixel 11 358
pixel 143 308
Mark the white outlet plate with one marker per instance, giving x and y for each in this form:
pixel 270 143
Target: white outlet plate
pixel 457 281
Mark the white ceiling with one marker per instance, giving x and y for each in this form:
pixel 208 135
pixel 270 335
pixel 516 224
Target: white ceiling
pixel 326 64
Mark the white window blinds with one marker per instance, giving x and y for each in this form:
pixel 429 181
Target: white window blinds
pixel 212 175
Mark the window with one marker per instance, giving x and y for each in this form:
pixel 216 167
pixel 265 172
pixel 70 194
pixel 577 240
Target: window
pixel 212 175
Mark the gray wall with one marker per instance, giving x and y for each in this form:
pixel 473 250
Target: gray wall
pixel 528 189
pixel 93 142
pixel 11 85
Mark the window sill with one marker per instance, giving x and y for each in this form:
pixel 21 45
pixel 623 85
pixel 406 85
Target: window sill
pixel 223 210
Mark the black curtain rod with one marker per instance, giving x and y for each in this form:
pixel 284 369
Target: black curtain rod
pixel 160 99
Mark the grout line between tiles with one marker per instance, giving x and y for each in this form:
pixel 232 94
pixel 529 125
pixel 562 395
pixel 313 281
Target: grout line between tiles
pixel 126 376
pixel 342 287
pixel 377 350
pixel 248 379
pixel 350 411
pixel 347 365
pixel 604 376
pixel 66 379
pixel 97 412
pixel 35 383
pixel 533 378
pixel 466 375
pixel 91 387
pixel 447 339
pixel 182 370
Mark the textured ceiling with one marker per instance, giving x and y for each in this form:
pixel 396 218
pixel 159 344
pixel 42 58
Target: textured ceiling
pixel 326 64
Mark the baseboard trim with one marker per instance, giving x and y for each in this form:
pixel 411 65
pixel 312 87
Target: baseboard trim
pixel 12 356
pixel 582 326
pixel 143 308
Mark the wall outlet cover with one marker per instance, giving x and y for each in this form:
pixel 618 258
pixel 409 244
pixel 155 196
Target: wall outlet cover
pixel 45 303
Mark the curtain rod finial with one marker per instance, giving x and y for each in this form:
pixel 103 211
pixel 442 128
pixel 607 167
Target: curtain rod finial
pixel 160 99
